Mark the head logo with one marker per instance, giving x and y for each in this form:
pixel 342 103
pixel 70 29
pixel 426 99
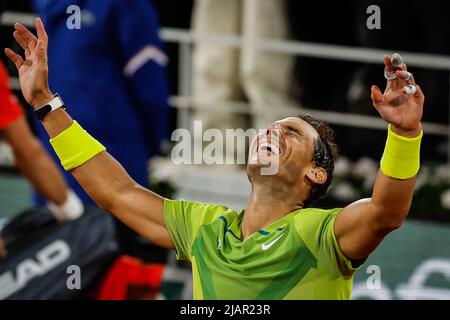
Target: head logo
pixel 46 259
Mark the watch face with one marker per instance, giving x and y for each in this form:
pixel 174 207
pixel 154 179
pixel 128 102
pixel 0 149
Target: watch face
pixel 42 112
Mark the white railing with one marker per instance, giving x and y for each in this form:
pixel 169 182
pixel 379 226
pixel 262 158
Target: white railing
pixel 306 49
pixel 186 39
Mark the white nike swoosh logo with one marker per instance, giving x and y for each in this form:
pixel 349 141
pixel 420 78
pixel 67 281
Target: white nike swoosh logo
pixel 268 245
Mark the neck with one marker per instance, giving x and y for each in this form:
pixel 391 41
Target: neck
pixel 263 208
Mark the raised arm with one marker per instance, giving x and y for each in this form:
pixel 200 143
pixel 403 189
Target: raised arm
pixel 361 226
pixel 101 176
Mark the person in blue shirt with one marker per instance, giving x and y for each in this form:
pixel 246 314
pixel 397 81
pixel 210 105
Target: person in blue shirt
pixel 110 69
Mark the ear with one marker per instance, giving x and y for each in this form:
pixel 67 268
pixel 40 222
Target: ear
pixel 317 175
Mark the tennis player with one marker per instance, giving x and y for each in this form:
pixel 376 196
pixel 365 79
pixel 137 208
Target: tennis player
pixel 278 247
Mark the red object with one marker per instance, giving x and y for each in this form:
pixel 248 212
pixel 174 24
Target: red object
pixel 131 279
pixel 10 109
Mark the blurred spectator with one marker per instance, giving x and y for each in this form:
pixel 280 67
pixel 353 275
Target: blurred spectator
pixel 224 73
pixel 111 74
pixel 31 157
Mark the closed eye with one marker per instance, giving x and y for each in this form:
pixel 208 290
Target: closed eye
pixel 296 132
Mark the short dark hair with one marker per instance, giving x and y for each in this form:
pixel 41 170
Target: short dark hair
pixel 325 154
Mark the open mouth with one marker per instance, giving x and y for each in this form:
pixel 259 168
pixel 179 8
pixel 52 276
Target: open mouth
pixel 269 148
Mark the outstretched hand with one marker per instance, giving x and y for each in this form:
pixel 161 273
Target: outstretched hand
pixel 399 106
pixel 33 71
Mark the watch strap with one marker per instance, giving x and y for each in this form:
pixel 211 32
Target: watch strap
pixel 52 105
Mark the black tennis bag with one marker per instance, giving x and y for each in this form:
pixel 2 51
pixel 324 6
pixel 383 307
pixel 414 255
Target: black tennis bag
pixel 51 260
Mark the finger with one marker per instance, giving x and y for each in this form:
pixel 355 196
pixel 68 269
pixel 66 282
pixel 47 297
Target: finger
pixel 410 89
pixel 32 45
pixel 42 34
pixel 389 71
pixel 376 96
pixel 26 35
pixel 406 77
pixel 14 57
pixel 20 40
pixel 394 63
pixel 24 32
pixel 388 64
pixel 418 90
pixel 419 94
pixel 397 61
pixel 390 75
pixel 41 52
pixel 25 44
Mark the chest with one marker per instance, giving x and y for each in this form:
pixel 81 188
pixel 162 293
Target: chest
pixel 260 256
pixel 261 267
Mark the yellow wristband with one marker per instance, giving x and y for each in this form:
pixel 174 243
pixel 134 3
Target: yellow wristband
pixel 74 146
pixel 401 157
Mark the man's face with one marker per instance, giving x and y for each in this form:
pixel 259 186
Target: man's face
pixel 286 145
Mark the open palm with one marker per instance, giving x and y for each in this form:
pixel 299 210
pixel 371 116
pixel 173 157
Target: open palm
pixel 33 71
pixel 404 111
